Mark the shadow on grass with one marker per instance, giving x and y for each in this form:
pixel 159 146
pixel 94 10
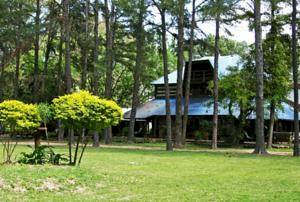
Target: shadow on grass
pixel 184 153
pixel 189 150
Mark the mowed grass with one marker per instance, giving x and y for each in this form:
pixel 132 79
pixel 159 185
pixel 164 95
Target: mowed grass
pixel 116 174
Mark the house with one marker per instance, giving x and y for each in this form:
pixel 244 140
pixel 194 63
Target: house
pixel 152 113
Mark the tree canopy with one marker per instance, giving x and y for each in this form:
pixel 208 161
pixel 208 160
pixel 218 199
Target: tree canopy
pixel 15 116
pixel 82 110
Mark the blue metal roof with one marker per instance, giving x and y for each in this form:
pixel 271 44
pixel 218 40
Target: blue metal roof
pixel 224 63
pixel 200 107
pixel 197 106
pixel 286 113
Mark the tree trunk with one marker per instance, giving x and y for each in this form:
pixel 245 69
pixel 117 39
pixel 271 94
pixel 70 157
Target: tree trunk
pixel 95 84
pixel 35 93
pixel 70 141
pixel 2 66
pixel 169 145
pixel 59 63
pixel 295 79
pixel 18 56
pixel 108 52
pixel 259 122
pixel 271 126
pixel 81 135
pixel 49 45
pixel 188 78
pixel 68 75
pixel 273 32
pixel 108 135
pixel 180 64
pixel 95 81
pixel 85 48
pixel 37 140
pixel 17 73
pixel 214 144
pixel 242 119
pixel 45 69
pixel 109 17
pixel 140 40
pixel 61 131
pixel 96 142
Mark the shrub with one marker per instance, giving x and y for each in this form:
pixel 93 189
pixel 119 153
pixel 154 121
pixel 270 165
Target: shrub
pixel 42 155
pixel 199 135
pixel 46 115
pixel 205 127
pixel 231 133
pixel 45 111
pixel 83 111
pixel 17 117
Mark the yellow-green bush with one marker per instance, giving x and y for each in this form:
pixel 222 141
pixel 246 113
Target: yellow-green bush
pixel 16 116
pixel 84 110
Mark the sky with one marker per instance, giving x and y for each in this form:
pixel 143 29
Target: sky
pixel 241 30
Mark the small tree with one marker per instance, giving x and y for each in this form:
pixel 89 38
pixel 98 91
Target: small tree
pixel 223 12
pixel 46 115
pixel 82 110
pixel 237 90
pixel 277 79
pixel 17 117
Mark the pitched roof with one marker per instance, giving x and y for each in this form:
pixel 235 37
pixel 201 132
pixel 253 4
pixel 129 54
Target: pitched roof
pixel 201 106
pixel 224 63
pixel 157 107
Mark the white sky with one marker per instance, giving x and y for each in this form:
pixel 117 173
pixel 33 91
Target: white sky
pixel 241 30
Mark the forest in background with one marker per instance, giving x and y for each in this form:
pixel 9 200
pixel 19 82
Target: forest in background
pixel 30 79
pixel 115 48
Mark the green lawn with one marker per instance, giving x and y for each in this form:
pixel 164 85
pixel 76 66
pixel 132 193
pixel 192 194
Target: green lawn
pixel 115 174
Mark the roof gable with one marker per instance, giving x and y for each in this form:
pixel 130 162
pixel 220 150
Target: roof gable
pixel 224 63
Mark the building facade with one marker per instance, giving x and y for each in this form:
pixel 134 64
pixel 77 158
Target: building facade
pixel 150 116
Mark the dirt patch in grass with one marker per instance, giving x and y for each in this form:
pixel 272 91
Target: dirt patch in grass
pixel 49 184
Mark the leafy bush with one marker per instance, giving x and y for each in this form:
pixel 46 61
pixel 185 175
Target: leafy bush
pixel 231 133
pixel 17 117
pixel 45 111
pixel 82 111
pixel 199 135
pixel 42 155
pixel 205 128
pixel 46 115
